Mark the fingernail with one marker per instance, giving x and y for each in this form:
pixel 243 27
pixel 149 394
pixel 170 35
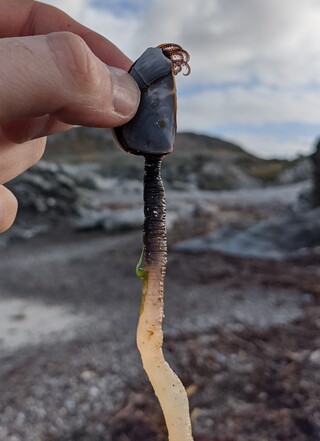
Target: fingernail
pixel 126 93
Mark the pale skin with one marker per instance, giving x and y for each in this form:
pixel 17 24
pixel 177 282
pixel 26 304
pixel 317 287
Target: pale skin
pixel 54 73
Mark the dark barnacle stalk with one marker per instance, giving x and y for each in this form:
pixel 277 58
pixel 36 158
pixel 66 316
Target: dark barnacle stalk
pixel 151 133
pixel 154 228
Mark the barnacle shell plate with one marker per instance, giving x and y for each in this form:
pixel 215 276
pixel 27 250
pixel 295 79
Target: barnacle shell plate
pixel 153 128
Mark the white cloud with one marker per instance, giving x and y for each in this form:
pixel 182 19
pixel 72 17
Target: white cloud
pixel 253 109
pixel 75 8
pixel 230 40
pixel 269 146
pixel 121 31
pixel 255 106
pixel 264 54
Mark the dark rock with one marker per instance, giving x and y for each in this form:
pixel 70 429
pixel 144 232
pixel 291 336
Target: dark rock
pixel 289 234
pixel 72 195
pixel 300 171
pixel 221 176
pixel 316 175
pixel 108 220
pixel 45 188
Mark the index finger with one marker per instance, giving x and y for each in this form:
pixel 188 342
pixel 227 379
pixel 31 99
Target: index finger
pixel 28 17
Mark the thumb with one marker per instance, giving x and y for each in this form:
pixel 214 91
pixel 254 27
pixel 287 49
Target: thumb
pixel 57 74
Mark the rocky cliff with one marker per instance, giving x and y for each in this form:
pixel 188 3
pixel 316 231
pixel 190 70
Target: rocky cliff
pixel 198 161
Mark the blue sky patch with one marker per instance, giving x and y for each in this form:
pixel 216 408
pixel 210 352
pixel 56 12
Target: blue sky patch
pixel 123 7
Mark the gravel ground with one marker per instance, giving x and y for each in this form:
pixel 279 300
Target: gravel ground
pixel 243 334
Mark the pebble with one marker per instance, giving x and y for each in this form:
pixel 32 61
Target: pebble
pixel 315 357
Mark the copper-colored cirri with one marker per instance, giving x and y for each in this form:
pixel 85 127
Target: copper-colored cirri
pixel 178 56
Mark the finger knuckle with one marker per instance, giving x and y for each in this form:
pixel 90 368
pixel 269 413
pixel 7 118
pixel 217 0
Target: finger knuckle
pixel 73 59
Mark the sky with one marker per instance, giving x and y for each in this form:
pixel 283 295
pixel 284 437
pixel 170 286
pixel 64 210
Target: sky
pixel 255 64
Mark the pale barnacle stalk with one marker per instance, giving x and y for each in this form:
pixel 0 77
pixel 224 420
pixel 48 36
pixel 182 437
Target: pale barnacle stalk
pixel 166 384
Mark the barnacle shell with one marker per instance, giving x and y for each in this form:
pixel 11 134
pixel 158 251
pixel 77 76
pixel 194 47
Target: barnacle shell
pixel 153 128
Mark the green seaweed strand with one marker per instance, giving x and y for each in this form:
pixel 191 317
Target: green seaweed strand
pixel 143 276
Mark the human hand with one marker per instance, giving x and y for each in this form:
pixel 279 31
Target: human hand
pixel 53 75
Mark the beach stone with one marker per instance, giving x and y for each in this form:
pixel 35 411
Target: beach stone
pixel 289 234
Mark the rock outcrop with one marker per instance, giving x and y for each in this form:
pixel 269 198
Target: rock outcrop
pixel 316 175
pixel 76 195
pixel 291 234
pixel 198 161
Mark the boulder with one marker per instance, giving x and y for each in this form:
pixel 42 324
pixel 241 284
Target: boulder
pixel 316 175
pixel 290 234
